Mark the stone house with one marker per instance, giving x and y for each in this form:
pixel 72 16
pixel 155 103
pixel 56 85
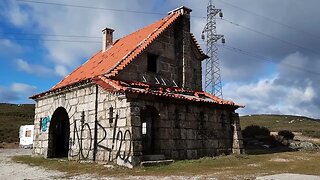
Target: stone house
pixel 140 95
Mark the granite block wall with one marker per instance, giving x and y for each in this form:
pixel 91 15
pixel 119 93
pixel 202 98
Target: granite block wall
pixel 113 125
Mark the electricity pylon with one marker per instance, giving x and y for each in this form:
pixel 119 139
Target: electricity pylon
pixel 212 67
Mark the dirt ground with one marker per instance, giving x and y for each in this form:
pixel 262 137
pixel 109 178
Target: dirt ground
pixel 12 171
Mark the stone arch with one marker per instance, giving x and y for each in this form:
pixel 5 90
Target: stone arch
pixel 149 123
pixel 59 133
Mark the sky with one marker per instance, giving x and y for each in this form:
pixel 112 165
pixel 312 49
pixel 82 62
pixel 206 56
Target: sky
pixel 270 62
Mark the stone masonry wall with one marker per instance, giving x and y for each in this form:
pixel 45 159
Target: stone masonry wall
pixel 185 130
pixel 113 127
pixel 168 47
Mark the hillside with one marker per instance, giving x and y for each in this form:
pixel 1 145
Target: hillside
pixel 307 126
pixel 12 116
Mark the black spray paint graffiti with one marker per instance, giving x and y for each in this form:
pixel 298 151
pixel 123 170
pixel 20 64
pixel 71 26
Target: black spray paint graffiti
pixel 118 137
pixel 83 152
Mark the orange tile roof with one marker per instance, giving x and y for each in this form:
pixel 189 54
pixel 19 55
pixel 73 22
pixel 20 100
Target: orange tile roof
pixel 122 52
pixel 194 41
pixel 112 85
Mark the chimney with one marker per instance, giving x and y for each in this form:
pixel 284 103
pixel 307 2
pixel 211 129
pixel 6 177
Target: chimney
pixel 183 10
pixel 183 48
pixel 107 39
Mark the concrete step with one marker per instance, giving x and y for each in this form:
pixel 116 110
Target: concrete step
pixel 156 163
pixel 155 157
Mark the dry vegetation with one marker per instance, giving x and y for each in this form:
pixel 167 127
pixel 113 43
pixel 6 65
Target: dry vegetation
pixel 224 167
pixel 12 116
pixel 307 126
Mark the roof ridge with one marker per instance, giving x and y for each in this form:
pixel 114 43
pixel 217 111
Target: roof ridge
pixel 141 43
pixel 194 39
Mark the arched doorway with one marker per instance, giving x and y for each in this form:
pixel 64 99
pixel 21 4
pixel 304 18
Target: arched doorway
pixel 149 120
pixel 59 132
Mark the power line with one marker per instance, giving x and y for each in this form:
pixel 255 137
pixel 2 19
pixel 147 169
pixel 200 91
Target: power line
pixel 53 40
pixel 158 13
pixel 52 35
pixel 89 7
pixel 98 8
pixel 270 36
pixel 270 19
pixel 264 58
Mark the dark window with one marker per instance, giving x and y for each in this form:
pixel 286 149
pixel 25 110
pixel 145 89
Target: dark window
pixel 111 115
pixel 153 63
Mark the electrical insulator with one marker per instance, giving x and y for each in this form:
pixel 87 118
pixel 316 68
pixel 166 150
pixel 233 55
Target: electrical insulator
pixel 221 15
pixel 223 40
pixel 202 36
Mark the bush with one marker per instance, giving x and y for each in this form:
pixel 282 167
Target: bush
pixel 254 131
pixel 286 134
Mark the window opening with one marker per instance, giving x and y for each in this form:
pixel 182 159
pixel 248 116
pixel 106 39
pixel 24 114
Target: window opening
pixel 153 63
pixel 28 133
pixel 144 128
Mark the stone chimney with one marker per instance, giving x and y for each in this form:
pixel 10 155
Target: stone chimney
pixel 107 39
pixel 184 10
pixel 183 48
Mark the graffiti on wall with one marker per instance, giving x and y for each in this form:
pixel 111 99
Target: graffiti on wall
pixel 44 123
pixel 83 138
pixel 121 138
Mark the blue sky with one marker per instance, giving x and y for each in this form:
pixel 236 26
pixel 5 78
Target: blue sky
pixel 270 62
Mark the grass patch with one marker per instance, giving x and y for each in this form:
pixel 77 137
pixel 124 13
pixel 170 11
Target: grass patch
pixel 307 126
pixel 244 166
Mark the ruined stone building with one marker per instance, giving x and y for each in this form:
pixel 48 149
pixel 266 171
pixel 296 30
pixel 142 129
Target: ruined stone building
pixel 140 95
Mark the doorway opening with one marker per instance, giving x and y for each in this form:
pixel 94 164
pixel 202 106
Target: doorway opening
pixel 59 132
pixel 149 120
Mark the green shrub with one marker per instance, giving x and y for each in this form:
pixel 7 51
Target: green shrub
pixel 286 134
pixel 254 131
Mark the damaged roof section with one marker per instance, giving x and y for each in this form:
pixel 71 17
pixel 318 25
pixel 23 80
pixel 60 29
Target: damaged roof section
pixel 112 85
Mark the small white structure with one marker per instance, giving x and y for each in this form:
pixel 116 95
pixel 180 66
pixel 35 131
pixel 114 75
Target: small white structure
pixel 26 136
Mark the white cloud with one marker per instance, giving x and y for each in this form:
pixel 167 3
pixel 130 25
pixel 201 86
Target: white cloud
pixel 61 71
pixel 249 81
pixel 17 93
pixel 6 95
pixel 17 15
pixel 8 47
pixel 36 69
pixel 288 92
pixel 23 88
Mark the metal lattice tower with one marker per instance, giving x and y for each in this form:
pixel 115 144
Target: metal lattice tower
pixel 212 67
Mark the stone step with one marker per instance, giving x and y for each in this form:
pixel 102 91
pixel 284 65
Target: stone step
pixel 155 157
pixel 156 163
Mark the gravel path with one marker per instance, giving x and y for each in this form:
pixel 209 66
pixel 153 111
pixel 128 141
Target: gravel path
pixel 10 170
pixel 288 176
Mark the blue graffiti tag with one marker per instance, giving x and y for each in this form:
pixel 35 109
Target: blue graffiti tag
pixel 44 123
